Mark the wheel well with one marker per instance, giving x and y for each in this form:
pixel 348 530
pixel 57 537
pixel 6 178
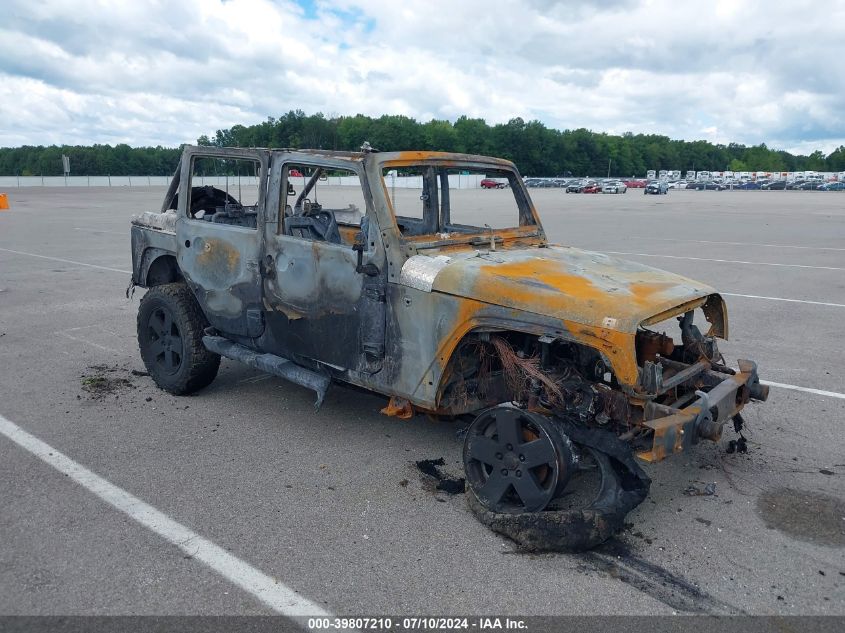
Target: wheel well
pixel 163 270
pixel 485 367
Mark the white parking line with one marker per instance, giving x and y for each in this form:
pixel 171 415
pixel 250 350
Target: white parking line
pixel 818 392
pixel 279 597
pixel 817 303
pixel 672 239
pixel 66 261
pixel 121 233
pixel 67 334
pixel 87 342
pixel 726 261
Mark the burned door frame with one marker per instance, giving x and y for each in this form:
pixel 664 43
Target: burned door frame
pixel 221 262
pixel 325 301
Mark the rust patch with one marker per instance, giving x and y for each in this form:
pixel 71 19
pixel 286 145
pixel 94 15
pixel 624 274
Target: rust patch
pixel 217 264
pixel 398 408
pixel 220 255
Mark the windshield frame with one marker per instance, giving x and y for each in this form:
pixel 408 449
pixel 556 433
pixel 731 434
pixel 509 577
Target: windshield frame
pixel 529 221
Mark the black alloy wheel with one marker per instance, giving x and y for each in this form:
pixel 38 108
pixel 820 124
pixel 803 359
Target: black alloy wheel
pixel 165 340
pixel 170 330
pixel 515 462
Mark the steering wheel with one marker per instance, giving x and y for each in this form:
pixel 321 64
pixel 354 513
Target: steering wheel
pixel 208 198
pixel 325 225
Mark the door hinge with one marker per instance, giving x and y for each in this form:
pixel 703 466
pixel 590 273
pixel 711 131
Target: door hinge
pixel 268 267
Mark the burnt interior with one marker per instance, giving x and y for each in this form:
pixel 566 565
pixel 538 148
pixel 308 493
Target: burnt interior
pixel 233 200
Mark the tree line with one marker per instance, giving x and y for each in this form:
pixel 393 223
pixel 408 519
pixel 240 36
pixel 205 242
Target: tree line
pixel 93 160
pixel 536 149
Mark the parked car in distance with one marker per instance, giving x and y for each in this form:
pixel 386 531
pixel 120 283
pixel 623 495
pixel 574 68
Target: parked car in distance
pixel 775 186
pixel 748 185
pixel 656 187
pixel 635 184
pixel 591 188
pixel 578 185
pixel 832 186
pixel 614 186
pixel 489 183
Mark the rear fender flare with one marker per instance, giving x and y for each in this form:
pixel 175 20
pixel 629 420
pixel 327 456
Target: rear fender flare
pixel 158 266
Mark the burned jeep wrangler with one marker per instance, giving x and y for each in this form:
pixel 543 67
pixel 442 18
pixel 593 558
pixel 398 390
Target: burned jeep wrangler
pixel 383 271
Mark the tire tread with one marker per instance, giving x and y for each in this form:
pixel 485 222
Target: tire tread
pixel 203 363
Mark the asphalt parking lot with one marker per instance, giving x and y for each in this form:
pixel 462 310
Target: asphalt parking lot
pixel 332 505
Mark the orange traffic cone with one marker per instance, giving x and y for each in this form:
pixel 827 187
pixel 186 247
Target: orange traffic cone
pixel 4 202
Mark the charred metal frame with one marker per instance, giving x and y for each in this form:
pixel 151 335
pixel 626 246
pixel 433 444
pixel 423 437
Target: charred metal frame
pixel 388 312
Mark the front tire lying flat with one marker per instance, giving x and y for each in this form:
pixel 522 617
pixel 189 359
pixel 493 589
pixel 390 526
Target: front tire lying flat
pixel 170 329
pixel 624 485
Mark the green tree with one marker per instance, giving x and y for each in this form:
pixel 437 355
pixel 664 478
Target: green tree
pixel 816 161
pixel 440 136
pixel 836 159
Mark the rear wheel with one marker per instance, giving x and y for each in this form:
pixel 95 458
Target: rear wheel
pixel 170 329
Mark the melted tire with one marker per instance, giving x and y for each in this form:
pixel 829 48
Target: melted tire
pixel 197 367
pixel 624 486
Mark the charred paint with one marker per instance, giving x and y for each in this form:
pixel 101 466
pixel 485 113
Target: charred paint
pixel 570 284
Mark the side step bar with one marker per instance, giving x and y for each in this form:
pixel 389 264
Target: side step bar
pixel 271 364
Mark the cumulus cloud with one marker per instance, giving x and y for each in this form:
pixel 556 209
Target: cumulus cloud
pixel 155 72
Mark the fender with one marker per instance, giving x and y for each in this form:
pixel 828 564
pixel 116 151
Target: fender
pixel 153 264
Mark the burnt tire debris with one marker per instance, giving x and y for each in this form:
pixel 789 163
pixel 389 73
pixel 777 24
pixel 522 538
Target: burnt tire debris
pixel 445 483
pixel 101 381
pixel 624 485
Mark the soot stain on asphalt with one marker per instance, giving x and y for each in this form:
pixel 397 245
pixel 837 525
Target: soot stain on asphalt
pixel 615 559
pixel 102 381
pixel 430 468
pixel 806 516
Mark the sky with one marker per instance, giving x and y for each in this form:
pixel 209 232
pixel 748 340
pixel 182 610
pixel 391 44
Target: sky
pixel 156 72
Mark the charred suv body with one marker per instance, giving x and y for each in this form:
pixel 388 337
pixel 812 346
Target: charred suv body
pixel 377 269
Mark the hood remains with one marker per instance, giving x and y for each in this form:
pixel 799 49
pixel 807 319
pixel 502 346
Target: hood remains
pixel 557 281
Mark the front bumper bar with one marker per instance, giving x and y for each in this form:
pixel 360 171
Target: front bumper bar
pixel 677 429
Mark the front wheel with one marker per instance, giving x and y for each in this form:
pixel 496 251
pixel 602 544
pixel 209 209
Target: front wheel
pixel 515 462
pixel 170 329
